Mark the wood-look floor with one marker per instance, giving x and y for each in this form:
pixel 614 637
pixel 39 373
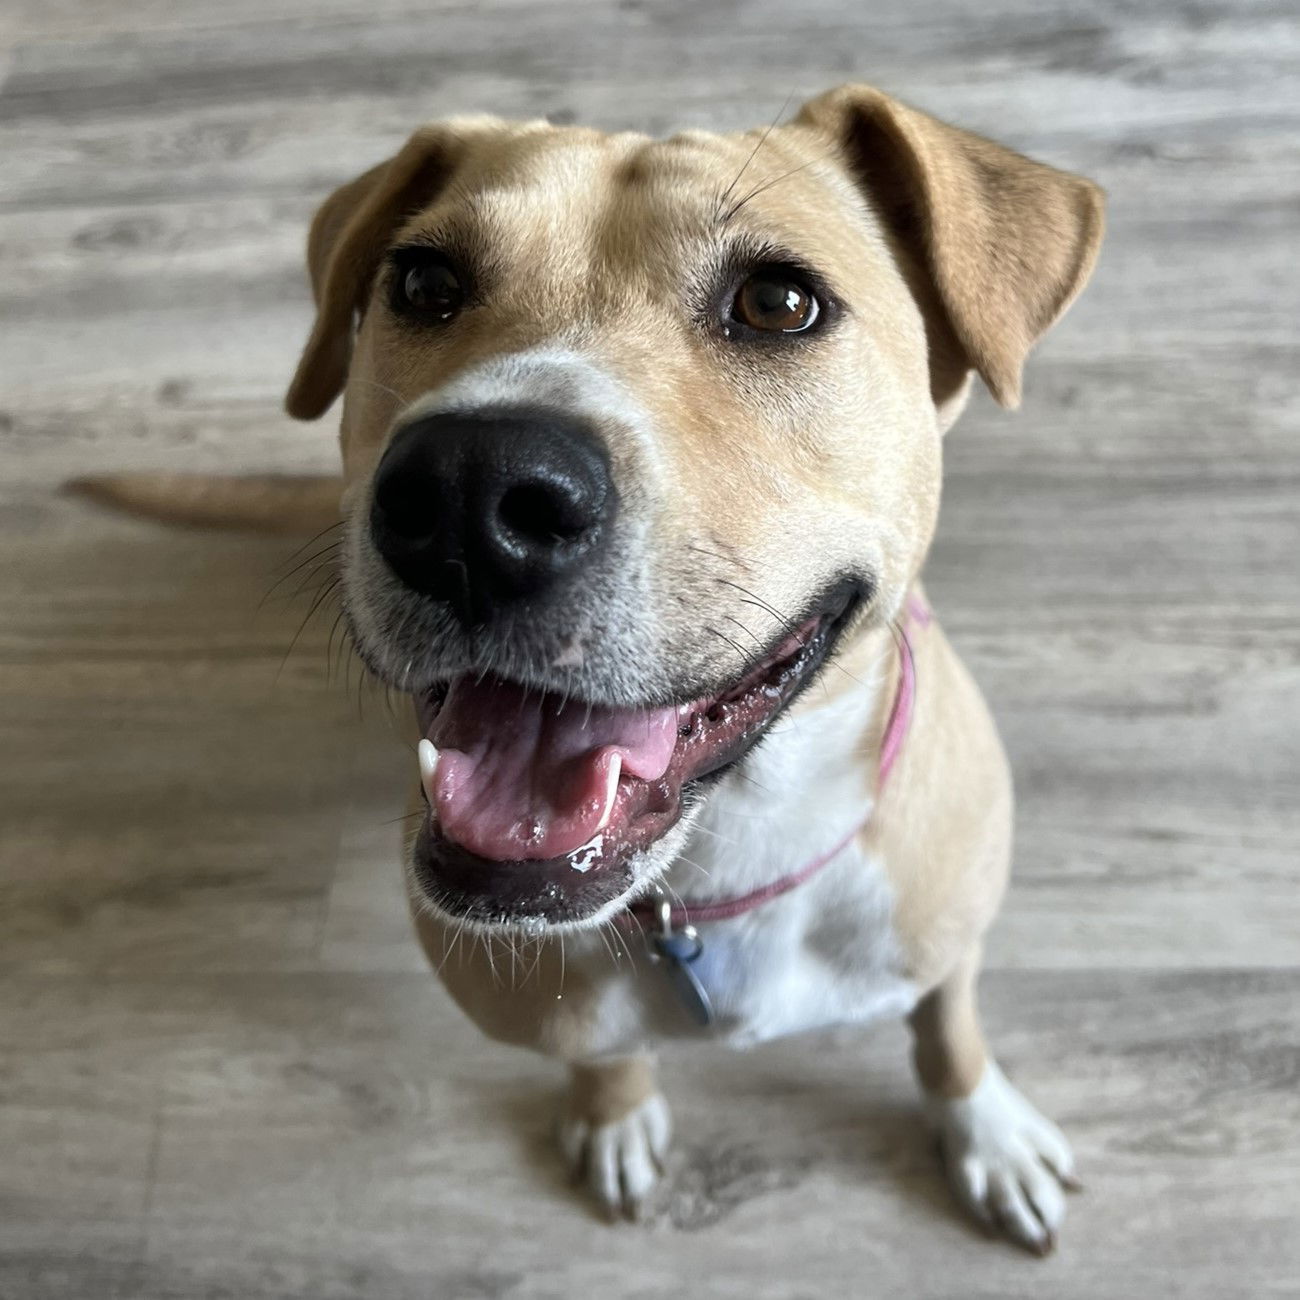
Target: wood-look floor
pixel 224 1071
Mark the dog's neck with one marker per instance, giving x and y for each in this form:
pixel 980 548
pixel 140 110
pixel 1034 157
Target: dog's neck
pixel 811 781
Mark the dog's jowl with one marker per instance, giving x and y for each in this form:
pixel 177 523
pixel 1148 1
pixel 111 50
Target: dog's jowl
pixel 641 445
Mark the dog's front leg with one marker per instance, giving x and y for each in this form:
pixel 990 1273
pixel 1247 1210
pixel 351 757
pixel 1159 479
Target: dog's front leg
pixel 1005 1162
pixel 615 1129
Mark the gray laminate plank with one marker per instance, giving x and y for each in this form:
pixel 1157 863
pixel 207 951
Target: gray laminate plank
pixel 336 1135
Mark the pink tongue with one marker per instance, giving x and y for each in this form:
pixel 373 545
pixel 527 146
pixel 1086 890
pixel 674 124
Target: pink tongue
pixel 526 775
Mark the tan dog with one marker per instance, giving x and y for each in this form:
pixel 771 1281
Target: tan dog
pixel 641 446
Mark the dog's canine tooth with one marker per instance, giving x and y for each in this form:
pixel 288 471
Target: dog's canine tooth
pixel 611 790
pixel 428 753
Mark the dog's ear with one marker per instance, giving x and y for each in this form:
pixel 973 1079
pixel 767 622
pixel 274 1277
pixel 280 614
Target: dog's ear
pixel 348 237
pixel 1007 242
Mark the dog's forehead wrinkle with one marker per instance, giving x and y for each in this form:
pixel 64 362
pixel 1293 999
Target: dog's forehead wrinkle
pixel 566 186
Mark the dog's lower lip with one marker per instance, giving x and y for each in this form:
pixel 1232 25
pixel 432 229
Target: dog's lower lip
pixel 715 733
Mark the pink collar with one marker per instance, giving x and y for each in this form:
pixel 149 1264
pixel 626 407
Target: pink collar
pixel 916 615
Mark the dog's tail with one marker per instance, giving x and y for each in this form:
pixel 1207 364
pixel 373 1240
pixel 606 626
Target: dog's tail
pixel 287 504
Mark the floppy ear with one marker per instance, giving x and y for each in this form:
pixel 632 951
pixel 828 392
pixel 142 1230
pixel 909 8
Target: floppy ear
pixel 348 237
pixel 1007 242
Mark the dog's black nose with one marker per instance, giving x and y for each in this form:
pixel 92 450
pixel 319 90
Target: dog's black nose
pixel 485 508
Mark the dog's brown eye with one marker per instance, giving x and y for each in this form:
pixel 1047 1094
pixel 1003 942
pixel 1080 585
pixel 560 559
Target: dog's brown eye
pixel 427 286
pixel 775 303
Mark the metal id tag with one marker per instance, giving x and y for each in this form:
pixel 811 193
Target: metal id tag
pixel 677 949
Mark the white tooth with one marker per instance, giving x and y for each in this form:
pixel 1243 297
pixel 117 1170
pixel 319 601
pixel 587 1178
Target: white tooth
pixel 611 790
pixel 428 766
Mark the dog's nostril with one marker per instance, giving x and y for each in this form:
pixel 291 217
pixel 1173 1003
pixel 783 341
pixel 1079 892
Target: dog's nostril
pixel 404 504
pixel 543 513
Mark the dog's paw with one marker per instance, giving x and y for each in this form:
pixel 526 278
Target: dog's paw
pixel 620 1162
pixel 1005 1162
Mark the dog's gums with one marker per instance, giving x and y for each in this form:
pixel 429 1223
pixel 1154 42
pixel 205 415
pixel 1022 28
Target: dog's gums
pixel 537 802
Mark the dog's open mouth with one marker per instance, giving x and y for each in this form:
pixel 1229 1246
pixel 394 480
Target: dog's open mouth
pixel 538 802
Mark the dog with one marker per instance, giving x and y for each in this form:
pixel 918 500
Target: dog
pixel 641 450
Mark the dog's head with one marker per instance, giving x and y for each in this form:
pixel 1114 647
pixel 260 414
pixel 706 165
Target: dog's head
pixel 636 432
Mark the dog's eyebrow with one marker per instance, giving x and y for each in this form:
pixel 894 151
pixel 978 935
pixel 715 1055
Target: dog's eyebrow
pixel 450 235
pixel 724 217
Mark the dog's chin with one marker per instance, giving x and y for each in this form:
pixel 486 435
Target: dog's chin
pixel 533 897
pixel 628 819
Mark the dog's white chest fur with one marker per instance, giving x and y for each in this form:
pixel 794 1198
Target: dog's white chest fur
pixel 826 957
pixel 823 953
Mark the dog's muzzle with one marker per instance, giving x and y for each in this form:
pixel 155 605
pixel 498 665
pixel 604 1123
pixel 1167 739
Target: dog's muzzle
pixel 546 802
